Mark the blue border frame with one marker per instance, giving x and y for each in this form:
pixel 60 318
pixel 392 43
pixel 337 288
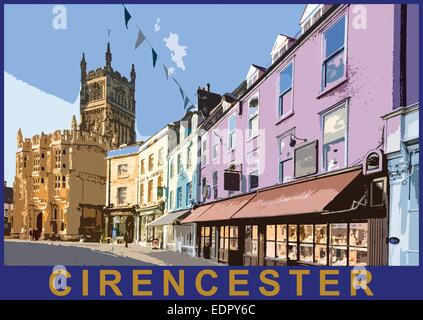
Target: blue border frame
pixel 32 282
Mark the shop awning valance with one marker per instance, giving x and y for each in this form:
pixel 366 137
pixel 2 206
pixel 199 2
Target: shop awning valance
pixel 197 212
pixel 169 218
pixel 225 209
pixel 310 196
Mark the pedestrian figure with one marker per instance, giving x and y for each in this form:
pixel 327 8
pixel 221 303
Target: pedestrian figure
pixel 125 238
pixel 30 235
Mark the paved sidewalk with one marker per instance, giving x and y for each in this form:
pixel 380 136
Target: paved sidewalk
pixel 135 252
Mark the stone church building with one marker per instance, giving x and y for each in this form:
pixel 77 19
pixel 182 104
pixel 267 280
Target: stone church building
pixel 60 181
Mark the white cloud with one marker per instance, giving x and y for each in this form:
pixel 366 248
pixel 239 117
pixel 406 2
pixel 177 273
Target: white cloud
pixel 171 71
pixel 177 51
pixel 34 111
pixel 157 25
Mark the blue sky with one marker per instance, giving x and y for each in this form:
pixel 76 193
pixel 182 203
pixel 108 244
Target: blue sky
pixel 221 40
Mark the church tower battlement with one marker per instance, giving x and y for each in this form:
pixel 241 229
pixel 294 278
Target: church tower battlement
pixel 107 102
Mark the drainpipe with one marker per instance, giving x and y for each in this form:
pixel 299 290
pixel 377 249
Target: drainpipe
pixel 403 56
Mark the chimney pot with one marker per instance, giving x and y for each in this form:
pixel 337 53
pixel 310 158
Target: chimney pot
pixel 208 87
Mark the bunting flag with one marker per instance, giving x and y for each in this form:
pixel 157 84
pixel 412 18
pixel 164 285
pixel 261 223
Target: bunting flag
pixel 127 17
pixel 186 102
pixel 154 57
pixel 191 107
pixel 140 39
pixel 166 72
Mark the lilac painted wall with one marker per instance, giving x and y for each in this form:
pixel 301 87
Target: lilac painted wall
pixel 368 87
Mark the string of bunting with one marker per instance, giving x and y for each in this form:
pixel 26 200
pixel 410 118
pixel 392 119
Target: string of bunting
pixel 141 38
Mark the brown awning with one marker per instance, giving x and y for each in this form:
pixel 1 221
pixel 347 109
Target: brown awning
pixel 225 209
pixel 195 213
pixel 309 196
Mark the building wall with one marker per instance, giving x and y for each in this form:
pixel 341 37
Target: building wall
pixel 164 140
pixel 188 174
pixel 368 79
pixel 62 170
pixel 128 180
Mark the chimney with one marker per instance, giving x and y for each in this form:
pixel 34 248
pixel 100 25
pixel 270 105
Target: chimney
pixel 208 87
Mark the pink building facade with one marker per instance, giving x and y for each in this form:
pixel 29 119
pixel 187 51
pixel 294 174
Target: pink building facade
pixel 314 113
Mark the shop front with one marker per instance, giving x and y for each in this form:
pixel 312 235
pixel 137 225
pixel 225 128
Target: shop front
pixel 168 221
pixel 150 235
pixel 338 219
pixel 119 224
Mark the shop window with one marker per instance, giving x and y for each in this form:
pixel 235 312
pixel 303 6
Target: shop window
pixel 306 243
pixel 334 137
pixel 358 244
pixel 292 242
pixel 285 91
pixel 251 240
pixel 320 239
pixel 377 192
pixel 305 160
pixel 271 241
pixel 338 244
pixel 333 66
pixel 281 241
pixel 233 238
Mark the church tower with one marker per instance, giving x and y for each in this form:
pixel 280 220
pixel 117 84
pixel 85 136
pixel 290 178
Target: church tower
pixel 107 102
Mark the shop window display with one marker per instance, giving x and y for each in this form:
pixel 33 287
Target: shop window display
pixel 358 244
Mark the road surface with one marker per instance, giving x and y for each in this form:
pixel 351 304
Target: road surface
pixel 26 253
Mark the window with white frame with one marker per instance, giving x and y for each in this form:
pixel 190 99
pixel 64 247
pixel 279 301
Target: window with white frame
pixel 215 184
pixel 215 150
pixel 171 199
pixel 204 152
pixel 286 163
pixel 189 194
pixel 334 137
pixel 160 157
pixel 122 170
pixel 121 195
pixel 285 91
pixel 172 168
pixel 179 163
pixel 178 197
pixel 189 156
pixel 253 117
pixel 333 66
pixel 231 132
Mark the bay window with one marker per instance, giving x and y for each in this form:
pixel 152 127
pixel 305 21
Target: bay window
pixel 334 137
pixel 333 66
pixel 285 91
